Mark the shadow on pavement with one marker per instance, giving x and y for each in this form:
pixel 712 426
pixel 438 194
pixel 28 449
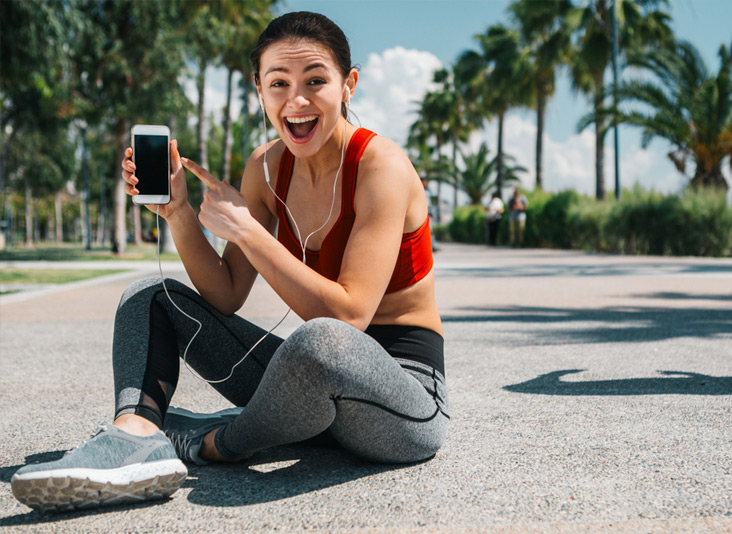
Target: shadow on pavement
pixel 270 475
pixel 6 473
pixel 604 269
pixel 673 383
pixel 277 474
pixel 673 295
pixel 34 517
pixel 632 324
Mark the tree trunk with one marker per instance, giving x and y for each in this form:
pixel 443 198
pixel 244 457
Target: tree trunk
pixel 102 223
pixel 246 89
pixel 438 211
pixel 8 219
pixel 540 107
pixel 599 147
pixel 201 130
pixel 4 157
pixel 709 178
pixel 119 241
pixel 226 149
pixel 456 179
pixel 85 237
pixel 59 218
pixel 137 224
pixel 499 156
pixel 28 213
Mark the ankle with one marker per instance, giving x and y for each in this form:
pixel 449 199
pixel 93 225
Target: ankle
pixel 135 425
pixel 209 452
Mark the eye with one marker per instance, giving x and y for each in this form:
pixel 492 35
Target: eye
pixel 278 83
pixel 317 81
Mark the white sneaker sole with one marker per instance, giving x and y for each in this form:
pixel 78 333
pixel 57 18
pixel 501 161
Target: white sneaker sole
pixel 71 489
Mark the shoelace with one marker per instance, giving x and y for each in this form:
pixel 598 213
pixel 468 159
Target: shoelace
pixel 181 443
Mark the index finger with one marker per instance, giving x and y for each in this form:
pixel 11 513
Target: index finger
pixel 199 171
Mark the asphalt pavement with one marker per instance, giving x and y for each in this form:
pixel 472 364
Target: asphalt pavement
pixel 589 392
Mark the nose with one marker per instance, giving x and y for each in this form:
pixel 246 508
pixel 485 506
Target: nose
pixel 298 99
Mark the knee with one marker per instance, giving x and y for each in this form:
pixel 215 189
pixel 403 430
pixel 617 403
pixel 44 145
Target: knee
pixel 318 343
pixel 146 289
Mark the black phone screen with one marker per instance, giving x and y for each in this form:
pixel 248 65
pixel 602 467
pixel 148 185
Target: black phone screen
pixel 151 162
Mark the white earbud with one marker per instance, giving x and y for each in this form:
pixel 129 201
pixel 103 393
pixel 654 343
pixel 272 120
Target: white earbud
pixel 261 104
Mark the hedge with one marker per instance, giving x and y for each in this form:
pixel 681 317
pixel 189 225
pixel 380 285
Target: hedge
pixel 696 223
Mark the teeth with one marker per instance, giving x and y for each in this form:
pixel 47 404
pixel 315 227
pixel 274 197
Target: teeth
pixel 300 120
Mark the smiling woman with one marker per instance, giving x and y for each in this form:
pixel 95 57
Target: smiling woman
pixel 366 369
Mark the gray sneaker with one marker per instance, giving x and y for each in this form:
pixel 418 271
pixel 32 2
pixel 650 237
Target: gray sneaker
pixel 186 430
pixel 110 467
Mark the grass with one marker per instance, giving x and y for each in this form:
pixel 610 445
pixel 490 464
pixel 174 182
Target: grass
pixel 76 252
pixel 17 277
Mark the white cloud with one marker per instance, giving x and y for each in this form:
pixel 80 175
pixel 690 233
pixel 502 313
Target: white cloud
pixel 389 86
pixel 570 164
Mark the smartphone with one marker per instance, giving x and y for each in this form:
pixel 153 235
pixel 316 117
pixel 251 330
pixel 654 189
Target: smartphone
pixel 151 155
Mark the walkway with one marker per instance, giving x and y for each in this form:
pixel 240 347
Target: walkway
pixel 590 393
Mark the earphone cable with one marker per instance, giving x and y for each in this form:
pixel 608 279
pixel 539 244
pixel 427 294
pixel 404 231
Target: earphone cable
pixel 304 260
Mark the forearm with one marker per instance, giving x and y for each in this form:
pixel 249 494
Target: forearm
pixel 308 293
pixel 209 273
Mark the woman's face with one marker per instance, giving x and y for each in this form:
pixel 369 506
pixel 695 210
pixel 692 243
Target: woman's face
pixel 302 90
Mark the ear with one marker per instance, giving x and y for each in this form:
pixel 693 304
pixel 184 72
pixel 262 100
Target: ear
pixel 351 83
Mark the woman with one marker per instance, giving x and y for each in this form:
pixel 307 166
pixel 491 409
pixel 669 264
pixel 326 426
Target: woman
pixel 365 369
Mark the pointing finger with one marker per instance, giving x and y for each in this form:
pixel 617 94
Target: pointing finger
pixel 199 171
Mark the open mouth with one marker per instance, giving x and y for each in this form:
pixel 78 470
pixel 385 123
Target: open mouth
pixel 300 127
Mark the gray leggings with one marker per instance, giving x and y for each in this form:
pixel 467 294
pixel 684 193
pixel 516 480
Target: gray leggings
pixel 327 376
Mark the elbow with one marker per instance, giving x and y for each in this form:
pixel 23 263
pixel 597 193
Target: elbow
pixel 226 307
pixel 359 319
pixel 361 323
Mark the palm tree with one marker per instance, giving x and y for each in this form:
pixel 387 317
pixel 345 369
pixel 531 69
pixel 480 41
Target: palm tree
pixel 640 27
pixel 475 177
pixel 203 30
pixel 241 25
pixel 496 79
pixel 444 119
pixel 429 133
pixel 688 106
pixel 547 38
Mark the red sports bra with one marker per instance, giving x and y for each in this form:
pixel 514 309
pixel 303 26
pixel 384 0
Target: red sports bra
pixel 415 253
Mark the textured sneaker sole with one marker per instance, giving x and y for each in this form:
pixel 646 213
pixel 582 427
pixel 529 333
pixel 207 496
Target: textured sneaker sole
pixel 72 489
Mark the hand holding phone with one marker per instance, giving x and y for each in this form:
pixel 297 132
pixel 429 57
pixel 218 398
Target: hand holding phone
pixel 151 156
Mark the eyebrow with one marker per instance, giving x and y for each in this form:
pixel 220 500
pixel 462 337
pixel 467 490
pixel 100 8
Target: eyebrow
pixel 310 67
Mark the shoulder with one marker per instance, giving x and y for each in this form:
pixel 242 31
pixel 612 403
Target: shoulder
pixel 388 182
pixel 384 160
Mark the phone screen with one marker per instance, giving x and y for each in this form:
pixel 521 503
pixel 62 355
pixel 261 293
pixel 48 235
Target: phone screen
pixel 151 161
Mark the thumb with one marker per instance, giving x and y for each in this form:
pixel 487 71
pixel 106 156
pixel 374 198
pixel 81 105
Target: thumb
pixel 175 163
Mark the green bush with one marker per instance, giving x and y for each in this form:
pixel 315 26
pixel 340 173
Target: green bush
pixel 698 222
pixel 586 224
pixel 704 224
pixel 546 219
pixel 441 232
pixel 468 224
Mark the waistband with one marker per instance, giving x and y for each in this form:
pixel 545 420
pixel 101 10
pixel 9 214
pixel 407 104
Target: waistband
pixel 413 343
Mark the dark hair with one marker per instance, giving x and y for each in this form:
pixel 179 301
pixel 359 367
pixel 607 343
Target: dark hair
pixel 306 26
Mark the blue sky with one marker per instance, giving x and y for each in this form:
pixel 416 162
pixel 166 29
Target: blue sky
pixel 399 43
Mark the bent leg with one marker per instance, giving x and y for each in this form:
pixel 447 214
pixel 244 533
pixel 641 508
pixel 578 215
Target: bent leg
pixel 330 376
pixel 150 335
